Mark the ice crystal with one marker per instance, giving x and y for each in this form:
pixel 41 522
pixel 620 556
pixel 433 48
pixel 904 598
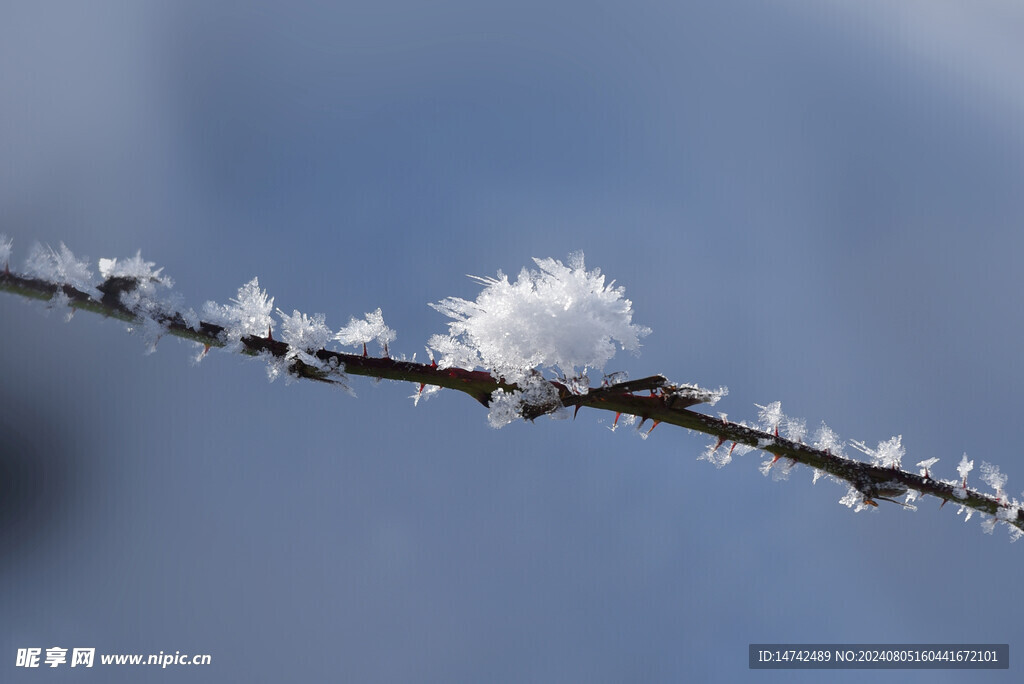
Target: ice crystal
pixel 247 314
pixel 991 476
pixel 826 439
pixel 770 416
pixel 558 317
pixel 358 332
pixel 964 468
pixel 794 429
pixel 716 453
pixel 926 465
pixel 6 244
pixel 888 454
pixel 505 407
pixel 535 396
pixel 61 268
pixel 304 335
pixel 134 268
pixel 151 333
pixel 854 499
pixel 700 394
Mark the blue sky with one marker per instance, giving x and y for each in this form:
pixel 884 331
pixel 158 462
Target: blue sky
pixel 818 206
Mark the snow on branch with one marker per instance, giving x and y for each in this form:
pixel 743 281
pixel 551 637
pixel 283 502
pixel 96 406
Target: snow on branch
pixel 562 319
pixel 558 317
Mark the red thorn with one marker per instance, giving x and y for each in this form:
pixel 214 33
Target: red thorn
pixel 869 502
pixel 270 334
pixel 206 350
pixel 364 350
pixel 776 430
pixel 387 354
pixel 616 419
pixel 777 457
pixel 433 363
pixel 942 504
pixel 731 448
pixel 656 423
pixel 575 411
pixel 420 390
pixel 720 442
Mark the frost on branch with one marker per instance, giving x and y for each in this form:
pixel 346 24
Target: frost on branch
pixel 770 416
pixel 535 397
pixel 357 333
pixel 991 476
pixel 134 268
pixel 558 317
pixel 61 268
pixel 888 454
pixel 304 335
pixel 140 287
pixel 247 314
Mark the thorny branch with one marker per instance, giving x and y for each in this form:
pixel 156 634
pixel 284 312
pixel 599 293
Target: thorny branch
pixel 662 403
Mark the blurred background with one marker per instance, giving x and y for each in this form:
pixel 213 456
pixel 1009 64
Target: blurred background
pixel 818 203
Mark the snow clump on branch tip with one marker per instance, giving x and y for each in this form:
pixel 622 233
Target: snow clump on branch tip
pixel 558 317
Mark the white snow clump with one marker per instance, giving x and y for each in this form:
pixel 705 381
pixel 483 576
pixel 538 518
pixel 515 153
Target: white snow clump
pixel 558 317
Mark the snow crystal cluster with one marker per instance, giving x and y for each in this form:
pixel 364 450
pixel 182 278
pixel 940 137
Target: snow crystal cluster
pixel 358 332
pixel 141 288
pixel 888 454
pixel 60 267
pixel 560 317
pixel 248 314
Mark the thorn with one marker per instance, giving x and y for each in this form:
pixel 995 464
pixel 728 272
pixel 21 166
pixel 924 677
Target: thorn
pixel 575 411
pixel 869 502
pixel 731 448
pixel 721 440
pixel 364 350
pixel 270 333
pixel 616 422
pixel 776 430
pixel 643 419
pixel 206 350
pixel 433 363
pixel 387 354
pixel 777 457
pixel 420 390
pixel 942 504
pixel 656 425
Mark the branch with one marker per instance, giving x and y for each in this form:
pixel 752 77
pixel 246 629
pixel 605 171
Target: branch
pixel 663 402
